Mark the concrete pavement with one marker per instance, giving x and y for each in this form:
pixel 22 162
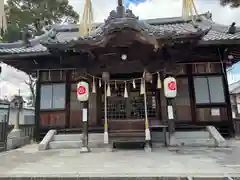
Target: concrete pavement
pixel 29 162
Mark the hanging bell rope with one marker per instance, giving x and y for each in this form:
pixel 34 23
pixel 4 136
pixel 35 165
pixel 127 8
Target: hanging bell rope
pixel 87 19
pixel 189 9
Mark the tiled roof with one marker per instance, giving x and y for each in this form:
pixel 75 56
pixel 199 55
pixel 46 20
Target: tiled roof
pixel 66 33
pixel 33 49
pixel 234 88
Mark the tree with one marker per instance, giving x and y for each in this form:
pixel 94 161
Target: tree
pixel 232 3
pixel 31 82
pixel 36 14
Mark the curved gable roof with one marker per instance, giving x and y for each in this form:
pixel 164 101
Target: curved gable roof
pixel 217 35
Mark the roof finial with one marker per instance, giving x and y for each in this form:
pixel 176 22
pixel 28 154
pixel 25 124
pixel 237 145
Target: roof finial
pixel 120 9
pixel 87 19
pixel 120 2
pixel 188 8
pixel 232 28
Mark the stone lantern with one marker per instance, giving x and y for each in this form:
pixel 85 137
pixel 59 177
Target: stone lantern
pixel 17 138
pixel 17 103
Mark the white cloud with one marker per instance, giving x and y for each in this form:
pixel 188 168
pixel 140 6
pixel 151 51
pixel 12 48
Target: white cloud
pixel 162 8
pixel 11 79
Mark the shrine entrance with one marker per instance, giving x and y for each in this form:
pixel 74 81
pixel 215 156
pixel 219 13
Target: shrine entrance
pixel 126 112
pixel 131 107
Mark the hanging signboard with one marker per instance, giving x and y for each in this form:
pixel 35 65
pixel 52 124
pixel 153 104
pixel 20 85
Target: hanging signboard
pixel 170 87
pixel 82 91
pixel 215 112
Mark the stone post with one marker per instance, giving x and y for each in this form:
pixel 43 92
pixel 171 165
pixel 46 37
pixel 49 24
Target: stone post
pixel 85 148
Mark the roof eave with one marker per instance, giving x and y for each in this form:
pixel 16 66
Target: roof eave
pixel 220 42
pixel 22 55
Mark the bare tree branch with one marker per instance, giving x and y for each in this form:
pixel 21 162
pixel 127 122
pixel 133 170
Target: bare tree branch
pixel 232 3
pixel 31 82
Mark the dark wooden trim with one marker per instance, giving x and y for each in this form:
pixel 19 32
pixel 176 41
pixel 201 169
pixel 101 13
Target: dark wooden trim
pixel 24 55
pixel 37 110
pixel 191 90
pixel 52 110
pixel 218 42
pixel 68 98
pixel 211 105
pixel 52 82
pixel 228 101
pixel 206 74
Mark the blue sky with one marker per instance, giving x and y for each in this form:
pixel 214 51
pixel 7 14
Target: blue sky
pixel 234 73
pixel 136 2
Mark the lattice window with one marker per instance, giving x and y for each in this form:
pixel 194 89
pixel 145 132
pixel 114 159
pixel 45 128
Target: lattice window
pixel 207 68
pixel 137 105
pixel 53 75
pixel 132 107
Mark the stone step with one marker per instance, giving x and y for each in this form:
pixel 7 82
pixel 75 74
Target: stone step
pixel 127 131
pixel 192 134
pixel 77 137
pixel 73 144
pixel 196 142
pixel 65 144
pixel 127 139
pixel 159 136
pixel 127 134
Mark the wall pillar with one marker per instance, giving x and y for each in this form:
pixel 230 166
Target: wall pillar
pixel 37 109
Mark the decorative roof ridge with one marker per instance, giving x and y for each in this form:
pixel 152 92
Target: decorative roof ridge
pixel 34 41
pixel 154 22
pixel 216 26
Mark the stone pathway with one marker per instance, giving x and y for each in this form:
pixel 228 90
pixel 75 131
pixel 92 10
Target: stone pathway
pixel 27 161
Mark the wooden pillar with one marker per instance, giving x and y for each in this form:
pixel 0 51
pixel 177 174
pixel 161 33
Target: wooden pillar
pixel 228 102
pixel 68 98
pixel 163 102
pixel 191 89
pixel 37 108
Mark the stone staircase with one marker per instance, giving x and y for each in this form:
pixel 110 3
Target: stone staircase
pixel 71 141
pixel 199 138
pixel 195 139
pixel 206 137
